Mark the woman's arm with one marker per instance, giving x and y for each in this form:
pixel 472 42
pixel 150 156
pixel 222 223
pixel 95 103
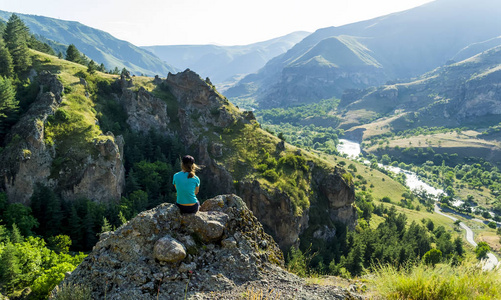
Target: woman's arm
pixel 196 190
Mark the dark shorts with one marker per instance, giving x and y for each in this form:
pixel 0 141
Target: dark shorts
pixel 188 209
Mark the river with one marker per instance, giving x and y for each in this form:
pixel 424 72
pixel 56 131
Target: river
pixel 352 149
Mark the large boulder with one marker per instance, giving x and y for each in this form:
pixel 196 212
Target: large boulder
pixel 163 254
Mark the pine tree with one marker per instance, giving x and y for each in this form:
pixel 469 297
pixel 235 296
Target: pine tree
pixel 8 105
pixel 54 213
pixel 92 67
pixel 106 225
pixel 72 54
pixel 15 235
pixel 6 64
pixel 16 37
pixel 88 224
pixel 10 270
pixel 122 218
pixel 75 227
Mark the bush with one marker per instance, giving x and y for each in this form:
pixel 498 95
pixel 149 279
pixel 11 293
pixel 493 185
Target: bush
pixel 481 250
pixel 432 257
pixel 270 175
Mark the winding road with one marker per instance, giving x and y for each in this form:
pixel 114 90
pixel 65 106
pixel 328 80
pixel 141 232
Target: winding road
pixel 491 261
pixel 352 149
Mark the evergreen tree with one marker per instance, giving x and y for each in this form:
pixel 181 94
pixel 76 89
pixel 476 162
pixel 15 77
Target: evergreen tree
pixel 34 43
pixel 6 64
pixel 92 67
pixel 88 224
pixel 75 225
pixel 15 235
pixel 10 269
pixel 72 54
pixel 8 105
pixel 20 215
pixel 122 218
pixel 16 37
pixel 60 55
pixel 458 246
pixel 59 243
pixel 106 225
pixel 102 68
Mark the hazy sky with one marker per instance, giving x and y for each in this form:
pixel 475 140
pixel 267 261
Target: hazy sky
pixel 223 22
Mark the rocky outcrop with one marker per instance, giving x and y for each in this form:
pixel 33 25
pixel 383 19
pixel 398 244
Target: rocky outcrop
pixel 204 113
pixel 162 254
pixel 200 102
pixel 27 159
pixel 339 194
pixel 275 211
pixel 144 111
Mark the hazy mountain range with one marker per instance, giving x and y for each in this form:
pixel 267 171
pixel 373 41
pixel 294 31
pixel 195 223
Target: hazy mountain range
pixel 304 68
pixel 368 53
pixel 226 63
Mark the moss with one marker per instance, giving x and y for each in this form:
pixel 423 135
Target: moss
pixel 26 153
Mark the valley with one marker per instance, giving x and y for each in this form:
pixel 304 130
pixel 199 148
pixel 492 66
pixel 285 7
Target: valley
pixel 369 151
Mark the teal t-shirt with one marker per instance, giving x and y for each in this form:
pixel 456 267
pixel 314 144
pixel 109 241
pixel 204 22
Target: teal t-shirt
pixel 185 187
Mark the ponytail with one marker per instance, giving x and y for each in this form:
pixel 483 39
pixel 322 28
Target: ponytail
pixel 188 165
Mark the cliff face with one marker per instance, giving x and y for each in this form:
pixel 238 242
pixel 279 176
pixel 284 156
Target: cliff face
pixel 455 95
pixel 27 159
pixel 219 252
pixel 205 123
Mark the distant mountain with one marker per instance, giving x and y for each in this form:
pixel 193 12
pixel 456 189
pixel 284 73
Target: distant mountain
pixel 224 63
pixel 96 44
pixel 460 94
pixel 397 46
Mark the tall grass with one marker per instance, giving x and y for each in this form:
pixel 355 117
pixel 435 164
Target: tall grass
pixel 442 282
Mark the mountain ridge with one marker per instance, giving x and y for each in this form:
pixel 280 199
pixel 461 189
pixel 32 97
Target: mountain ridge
pixel 406 44
pixel 223 63
pixel 98 45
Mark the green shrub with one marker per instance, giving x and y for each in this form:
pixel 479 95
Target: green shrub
pixel 432 257
pixel 348 178
pixel 270 175
pixel 296 162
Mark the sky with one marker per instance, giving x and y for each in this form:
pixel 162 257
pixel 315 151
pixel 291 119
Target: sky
pixel 221 22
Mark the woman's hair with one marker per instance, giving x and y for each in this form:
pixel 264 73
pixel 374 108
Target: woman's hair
pixel 188 165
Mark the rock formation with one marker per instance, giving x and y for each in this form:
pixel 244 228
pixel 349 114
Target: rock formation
pixel 27 159
pixel 218 252
pixel 201 110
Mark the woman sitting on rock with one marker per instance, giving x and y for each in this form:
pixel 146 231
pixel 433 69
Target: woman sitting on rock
pixel 187 185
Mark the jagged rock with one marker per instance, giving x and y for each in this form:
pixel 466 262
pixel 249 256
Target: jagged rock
pixel 167 249
pixel 275 210
pixel 144 111
pixel 83 82
pixel 209 226
pixel 157 80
